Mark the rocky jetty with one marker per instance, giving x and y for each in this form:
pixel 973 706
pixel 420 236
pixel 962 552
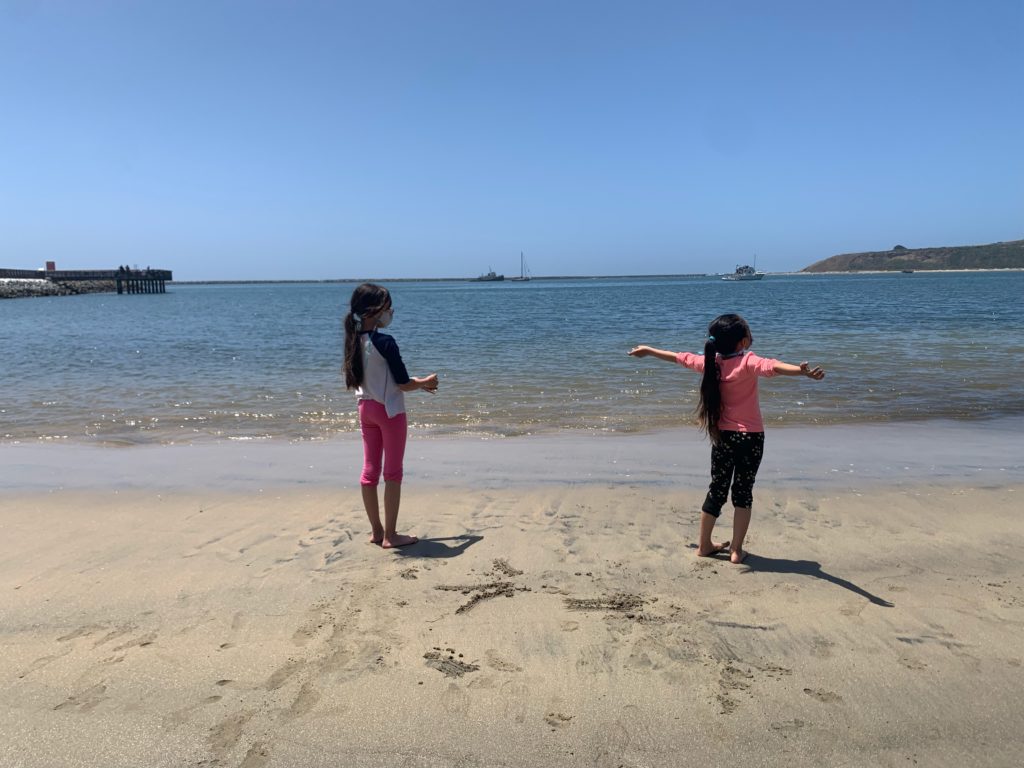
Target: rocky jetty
pixel 24 288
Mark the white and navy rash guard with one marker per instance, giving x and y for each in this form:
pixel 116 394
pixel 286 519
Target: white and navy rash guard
pixel 383 371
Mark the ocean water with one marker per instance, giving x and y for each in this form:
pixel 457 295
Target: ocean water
pixel 262 361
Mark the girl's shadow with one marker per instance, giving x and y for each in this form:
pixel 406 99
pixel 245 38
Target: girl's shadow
pixel 437 548
pixel 807 568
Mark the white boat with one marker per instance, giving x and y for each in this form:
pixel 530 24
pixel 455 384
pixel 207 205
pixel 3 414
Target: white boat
pixel 744 272
pixel 524 271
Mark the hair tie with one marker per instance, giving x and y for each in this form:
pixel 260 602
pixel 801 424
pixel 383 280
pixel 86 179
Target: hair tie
pixel 711 339
pixel 359 320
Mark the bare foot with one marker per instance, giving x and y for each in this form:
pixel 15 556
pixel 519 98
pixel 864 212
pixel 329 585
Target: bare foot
pixel 398 540
pixel 376 539
pixel 716 549
pixel 737 556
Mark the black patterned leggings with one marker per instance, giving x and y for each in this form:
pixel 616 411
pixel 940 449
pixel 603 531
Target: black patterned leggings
pixel 734 460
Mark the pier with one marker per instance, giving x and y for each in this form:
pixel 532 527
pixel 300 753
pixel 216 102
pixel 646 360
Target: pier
pixel 126 280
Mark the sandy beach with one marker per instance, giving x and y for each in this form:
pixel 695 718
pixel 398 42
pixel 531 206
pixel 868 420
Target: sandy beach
pixel 162 608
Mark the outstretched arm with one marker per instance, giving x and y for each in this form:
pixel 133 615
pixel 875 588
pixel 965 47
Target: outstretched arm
pixel 804 369
pixel 429 383
pixel 661 354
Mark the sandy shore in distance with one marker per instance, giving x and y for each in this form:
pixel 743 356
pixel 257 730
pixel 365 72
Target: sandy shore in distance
pixel 542 621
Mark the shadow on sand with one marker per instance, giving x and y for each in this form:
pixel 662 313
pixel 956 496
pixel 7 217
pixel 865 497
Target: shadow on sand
pixel 810 568
pixel 437 548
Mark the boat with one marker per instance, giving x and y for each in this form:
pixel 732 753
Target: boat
pixel 524 271
pixel 490 277
pixel 744 272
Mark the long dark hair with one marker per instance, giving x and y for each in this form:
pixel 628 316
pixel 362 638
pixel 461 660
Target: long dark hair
pixel 368 299
pixel 724 334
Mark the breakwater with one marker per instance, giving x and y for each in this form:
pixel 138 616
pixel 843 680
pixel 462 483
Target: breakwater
pixel 20 289
pixel 24 283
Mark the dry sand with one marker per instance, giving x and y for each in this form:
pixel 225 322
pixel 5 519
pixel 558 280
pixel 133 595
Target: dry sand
pixel 536 624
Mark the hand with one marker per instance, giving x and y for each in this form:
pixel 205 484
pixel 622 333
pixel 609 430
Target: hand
pixel 640 351
pixel 817 373
pixel 429 383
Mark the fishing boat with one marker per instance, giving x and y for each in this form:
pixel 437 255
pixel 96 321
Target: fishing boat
pixel 524 271
pixel 490 277
pixel 744 272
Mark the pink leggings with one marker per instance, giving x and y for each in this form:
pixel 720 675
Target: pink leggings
pixel 382 437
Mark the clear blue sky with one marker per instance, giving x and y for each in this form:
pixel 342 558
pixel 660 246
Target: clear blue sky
pixel 290 139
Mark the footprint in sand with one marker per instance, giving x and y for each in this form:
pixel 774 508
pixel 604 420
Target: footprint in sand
pixel 515 698
pixel 227 733
pixel 113 635
pixel 308 631
pixel 444 661
pixel 822 647
pixel 494 661
pixel 43 661
pixel 140 642
pixel 557 720
pixel 613 743
pixel 304 701
pixel 281 676
pixel 332 557
pixel 181 716
pixel 728 706
pixel 83 701
pixel 788 726
pixel 825 697
pixel 455 701
pixel 914 664
pixel 81 632
pixel 257 756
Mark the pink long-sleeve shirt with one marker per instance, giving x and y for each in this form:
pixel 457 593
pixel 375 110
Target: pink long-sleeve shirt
pixel 741 411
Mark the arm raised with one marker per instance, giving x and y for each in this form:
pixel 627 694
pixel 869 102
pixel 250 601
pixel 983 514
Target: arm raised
pixel 645 351
pixel 804 369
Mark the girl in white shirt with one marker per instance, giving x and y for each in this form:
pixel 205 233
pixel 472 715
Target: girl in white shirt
pixel 374 368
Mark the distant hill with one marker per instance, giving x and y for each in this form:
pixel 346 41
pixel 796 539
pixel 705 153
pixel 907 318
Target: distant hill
pixel 1008 255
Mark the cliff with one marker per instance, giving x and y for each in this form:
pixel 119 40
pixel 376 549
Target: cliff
pixel 1007 255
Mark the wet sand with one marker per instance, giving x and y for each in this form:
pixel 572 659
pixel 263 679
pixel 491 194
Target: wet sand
pixel 184 620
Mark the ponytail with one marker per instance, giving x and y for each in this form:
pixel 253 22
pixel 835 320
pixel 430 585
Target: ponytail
pixel 724 335
pixel 367 300
pixel 353 366
pixel 709 407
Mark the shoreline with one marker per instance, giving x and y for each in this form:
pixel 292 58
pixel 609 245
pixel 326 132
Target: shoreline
pixel 843 456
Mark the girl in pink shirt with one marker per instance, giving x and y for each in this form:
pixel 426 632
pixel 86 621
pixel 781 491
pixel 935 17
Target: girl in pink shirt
pixel 729 412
